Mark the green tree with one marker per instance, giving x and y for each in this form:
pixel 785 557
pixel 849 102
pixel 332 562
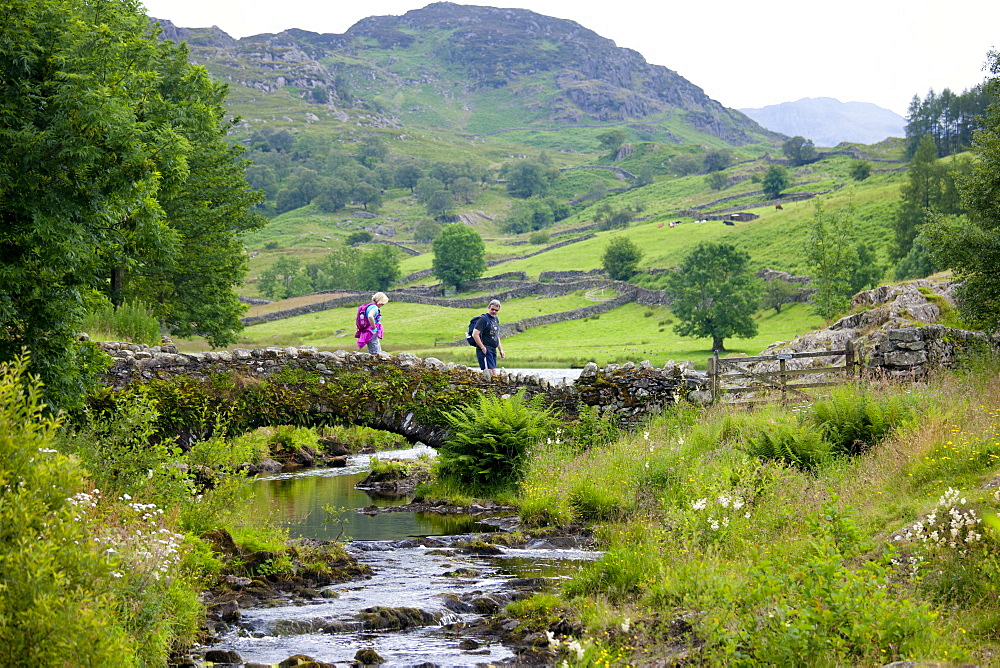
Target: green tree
pixel 283 279
pixel 611 140
pixel 685 164
pixel 107 137
pixel 527 178
pixel 718 159
pixel 860 170
pixel 378 269
pixel 778 292
pixel 970 245
pixel 426 187
pixel 832 253
pixel 333 196
pixel 407 175
pixel 465 189
pixel 717 181
pixel 372 151
pixel 917 196
pixel 714 293
pixel 367 196
pixel 621 258
pixel 358 237
pixel 338 270
pixel 459 255
pixel 799 150
pixel 426 230
pixel 774 181
pixel 440 203
pixel 610 218
pixel 931 187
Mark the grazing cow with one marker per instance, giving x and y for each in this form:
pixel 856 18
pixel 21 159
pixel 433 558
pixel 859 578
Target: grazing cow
pixel 777 207
pixel 728 222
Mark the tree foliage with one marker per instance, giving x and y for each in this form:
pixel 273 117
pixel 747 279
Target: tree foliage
pixel 717 181
pixel 528 178
pixel 841 265
pixel 535 213
pixel 799 150
pixel 611 140
pixel 950 119
pixel 718 159
pixel 114 175
pixel 459 255
pixel 778 292
pixel 860 170
pixel 621 258
pixel 714 293
pixel 970 245
pixel 774 181
pixel 930 187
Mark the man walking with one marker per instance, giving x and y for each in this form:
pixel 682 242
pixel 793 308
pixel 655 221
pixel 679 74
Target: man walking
pixel 486 336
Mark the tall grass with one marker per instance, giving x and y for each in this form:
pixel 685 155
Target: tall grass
pixel 718 554
pixel 132 322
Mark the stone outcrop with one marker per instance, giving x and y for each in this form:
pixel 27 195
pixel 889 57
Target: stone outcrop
pixel 894 331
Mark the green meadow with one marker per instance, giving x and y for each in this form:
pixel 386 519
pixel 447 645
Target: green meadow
pixel 628 333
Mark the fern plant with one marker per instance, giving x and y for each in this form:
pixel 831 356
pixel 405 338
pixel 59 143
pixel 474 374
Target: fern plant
pixel 854 421
pixel 489 442
pixel 799 445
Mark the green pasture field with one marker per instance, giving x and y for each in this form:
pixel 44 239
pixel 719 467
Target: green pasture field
pixel 631 332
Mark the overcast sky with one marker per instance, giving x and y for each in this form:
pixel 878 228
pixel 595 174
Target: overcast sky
pixel 744 54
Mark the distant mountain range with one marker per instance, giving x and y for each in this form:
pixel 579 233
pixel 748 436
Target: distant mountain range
pixel 827 121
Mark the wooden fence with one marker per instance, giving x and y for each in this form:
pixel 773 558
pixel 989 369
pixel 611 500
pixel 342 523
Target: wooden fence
pixel 732 377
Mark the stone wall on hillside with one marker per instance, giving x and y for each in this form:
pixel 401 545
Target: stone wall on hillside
pixel 502 290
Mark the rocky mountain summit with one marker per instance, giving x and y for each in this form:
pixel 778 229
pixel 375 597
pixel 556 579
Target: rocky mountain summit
pixel 828 122
pixel 457 65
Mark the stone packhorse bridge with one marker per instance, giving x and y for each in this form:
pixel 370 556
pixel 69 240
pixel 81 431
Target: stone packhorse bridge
pixel 244 389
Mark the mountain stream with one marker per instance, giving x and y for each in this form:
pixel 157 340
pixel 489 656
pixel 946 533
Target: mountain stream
pixel 415 564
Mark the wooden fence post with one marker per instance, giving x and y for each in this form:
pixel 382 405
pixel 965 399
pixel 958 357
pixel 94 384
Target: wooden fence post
pixel 849 361
pixel 713 376
pixel 782 367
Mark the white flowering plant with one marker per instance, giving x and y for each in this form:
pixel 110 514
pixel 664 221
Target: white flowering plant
pixel 949 551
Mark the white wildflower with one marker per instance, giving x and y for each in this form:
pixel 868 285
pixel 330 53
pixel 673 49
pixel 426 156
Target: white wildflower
pixel 626 625
pixel 699 504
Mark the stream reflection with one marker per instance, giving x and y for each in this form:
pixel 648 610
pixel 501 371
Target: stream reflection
pixel 297 501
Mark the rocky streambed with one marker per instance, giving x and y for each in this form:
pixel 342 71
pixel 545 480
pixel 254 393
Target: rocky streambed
pixel 418 598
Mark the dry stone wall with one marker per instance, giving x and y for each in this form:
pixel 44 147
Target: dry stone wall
pixel 913 351
pixel 628 392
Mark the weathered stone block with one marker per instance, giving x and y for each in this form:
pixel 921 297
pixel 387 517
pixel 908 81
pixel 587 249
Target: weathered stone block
pixel 905 358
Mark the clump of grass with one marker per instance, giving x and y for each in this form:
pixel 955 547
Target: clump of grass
pixel 132 322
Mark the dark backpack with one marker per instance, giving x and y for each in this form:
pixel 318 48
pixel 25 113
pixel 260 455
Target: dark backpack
pixel 472 325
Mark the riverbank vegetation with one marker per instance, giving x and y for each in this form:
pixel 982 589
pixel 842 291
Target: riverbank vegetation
pixel 857 530
pixel 110 533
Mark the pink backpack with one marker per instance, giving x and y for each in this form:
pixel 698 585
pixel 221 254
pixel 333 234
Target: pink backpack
pixel 362 319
